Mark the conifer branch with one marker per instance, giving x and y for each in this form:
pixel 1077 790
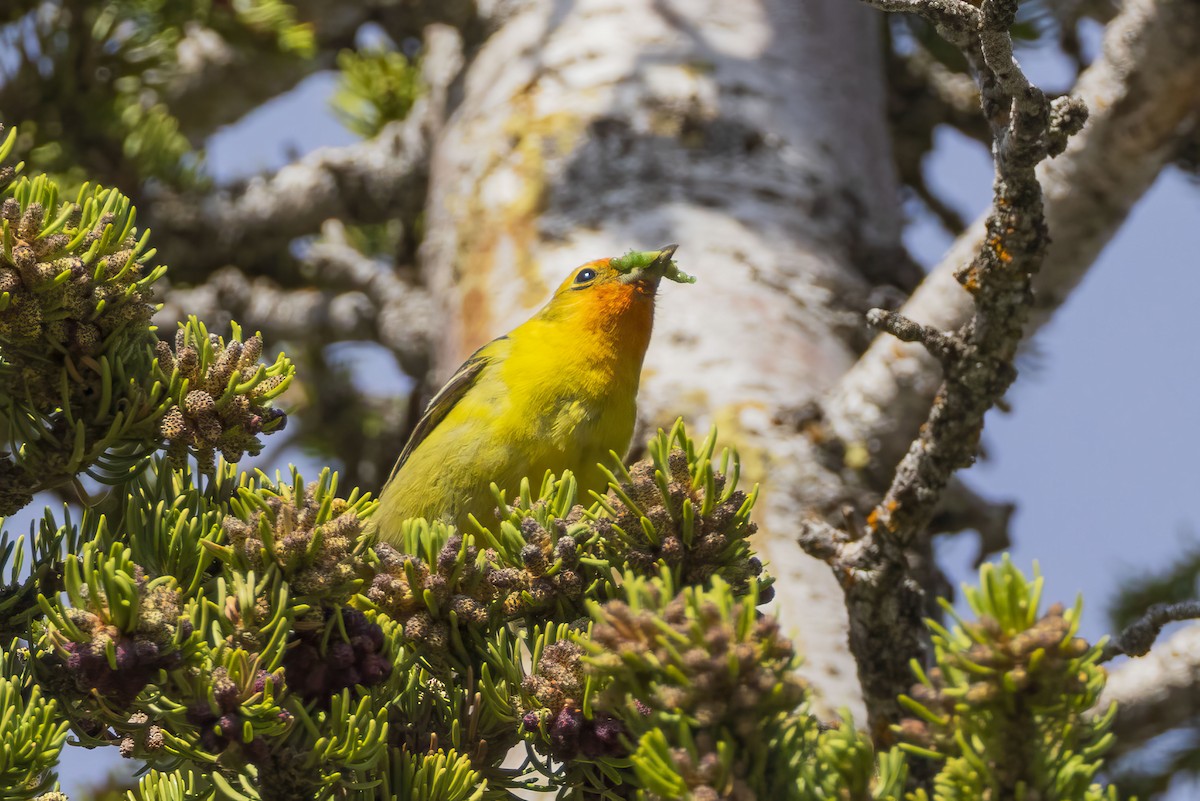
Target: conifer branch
pixel 219 81
pixel 380 179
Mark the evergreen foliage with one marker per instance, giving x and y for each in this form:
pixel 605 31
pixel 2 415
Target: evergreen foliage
pixel 243 637
pixel 1007 706
pixel 375 87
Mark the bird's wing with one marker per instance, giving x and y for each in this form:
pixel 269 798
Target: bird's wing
pixel 447 397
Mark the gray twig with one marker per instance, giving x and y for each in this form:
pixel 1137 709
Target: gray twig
pixel 885 602
pixel 941 346
pixel 1137 638
pixel 955 15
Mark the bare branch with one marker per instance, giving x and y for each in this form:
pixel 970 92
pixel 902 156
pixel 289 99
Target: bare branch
pixel 942 347
pixel 945 213
pixel 923 95
pixel 383 178
pixel 884 599
pixel 219 81
pixel 371 302
pixel 370 182
pixel 956 15
pixel 962 509
pixel 979 362
pixel 1157 692
pixel 1138 636
pixel 1142 92
pixel 822 540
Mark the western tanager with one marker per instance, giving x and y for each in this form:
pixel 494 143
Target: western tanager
pixel 558 392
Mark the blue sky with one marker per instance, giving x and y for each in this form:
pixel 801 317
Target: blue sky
pixel 1098 450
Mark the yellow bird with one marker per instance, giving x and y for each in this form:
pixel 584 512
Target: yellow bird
pixel 558 392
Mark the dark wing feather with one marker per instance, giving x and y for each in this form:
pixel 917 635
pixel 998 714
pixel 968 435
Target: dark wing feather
pixel 445 400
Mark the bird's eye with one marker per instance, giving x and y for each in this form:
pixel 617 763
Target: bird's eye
pixel 585 276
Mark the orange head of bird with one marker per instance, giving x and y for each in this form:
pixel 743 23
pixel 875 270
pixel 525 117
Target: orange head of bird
pixel 620 278
pixel 602 293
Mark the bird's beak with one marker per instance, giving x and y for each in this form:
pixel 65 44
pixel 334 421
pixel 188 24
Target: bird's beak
pixel 649 266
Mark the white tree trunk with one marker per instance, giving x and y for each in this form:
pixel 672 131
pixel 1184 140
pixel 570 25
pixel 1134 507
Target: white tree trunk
pixel 750 133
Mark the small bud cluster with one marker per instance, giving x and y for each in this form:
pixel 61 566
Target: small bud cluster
pixel 136 656
pixel 702 681
pixel 68 285
pixel 703 774
pixel 222 401
pixel 571 735
pixel 725 677
pixel 316 558
pixel 557 688
pixel 141 737
pixel 699 545
pixel 1037 664
pixel 76 291
pixel 247 622
pixel 455 582
pixel 225 725
pixel 548 571
pixel 318 667
pixel 56 291
pixel 1003 685
pixel 559 678
pixel 674 509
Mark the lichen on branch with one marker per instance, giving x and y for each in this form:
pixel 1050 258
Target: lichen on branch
pixel 884 599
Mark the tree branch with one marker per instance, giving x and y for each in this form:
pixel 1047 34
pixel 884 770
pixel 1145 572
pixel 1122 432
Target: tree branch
pixel 1138 636
pixel 952 16
pixel 1142 91
pixel 923 95
pixel 369 182
pixel 962 509
pixel 380 179
pixel 885 601
pixel 218 81
pixel 371 302
pixel 1157 692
